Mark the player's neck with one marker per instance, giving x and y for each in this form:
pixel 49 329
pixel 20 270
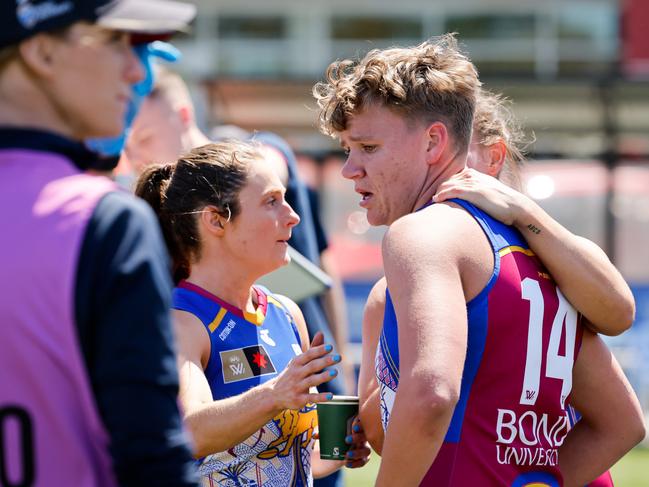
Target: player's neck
pixel 435 176
pixel 234 291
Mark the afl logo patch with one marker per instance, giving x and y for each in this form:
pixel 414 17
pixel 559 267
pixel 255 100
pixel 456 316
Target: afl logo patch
pixel 245 363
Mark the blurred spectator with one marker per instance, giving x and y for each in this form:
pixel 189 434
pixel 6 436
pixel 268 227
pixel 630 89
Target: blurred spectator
pixel 87 369
pixel 165 126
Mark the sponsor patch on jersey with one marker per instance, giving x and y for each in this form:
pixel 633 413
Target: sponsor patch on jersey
pixel 244 363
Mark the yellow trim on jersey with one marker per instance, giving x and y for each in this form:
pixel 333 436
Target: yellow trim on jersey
pixel 514 248
pixel 275 301
pixel 256 318
pixel 217 320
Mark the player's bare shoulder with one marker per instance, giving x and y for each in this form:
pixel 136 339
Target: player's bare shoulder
pixel 443 226
pixel 441 235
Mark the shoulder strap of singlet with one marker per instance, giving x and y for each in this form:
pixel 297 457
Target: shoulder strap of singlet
pixel 209 312
pixel 499 234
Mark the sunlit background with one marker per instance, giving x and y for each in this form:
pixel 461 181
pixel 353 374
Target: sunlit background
pixel 576 70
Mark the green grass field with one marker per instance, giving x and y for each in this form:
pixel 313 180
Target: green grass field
pixel 631 471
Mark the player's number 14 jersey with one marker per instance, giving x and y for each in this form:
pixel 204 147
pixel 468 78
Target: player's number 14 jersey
pixel 523 338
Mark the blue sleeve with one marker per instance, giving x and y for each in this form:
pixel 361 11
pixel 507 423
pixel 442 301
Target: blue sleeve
pixel 122 306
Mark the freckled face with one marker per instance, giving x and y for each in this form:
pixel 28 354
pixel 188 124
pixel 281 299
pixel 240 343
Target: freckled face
pixel 386 159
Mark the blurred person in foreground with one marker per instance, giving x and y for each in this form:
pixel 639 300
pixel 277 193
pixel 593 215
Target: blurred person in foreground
pixel 471 315
pixel 496 149
pixel 87 369
pixel 247 371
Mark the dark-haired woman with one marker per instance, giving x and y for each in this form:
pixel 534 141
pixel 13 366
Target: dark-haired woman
pixel 247 373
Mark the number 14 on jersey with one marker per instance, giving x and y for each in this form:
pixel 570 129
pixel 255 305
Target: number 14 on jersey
pixel 556 366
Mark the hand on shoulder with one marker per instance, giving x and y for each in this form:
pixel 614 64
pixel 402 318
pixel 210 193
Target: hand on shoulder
pixel 487 193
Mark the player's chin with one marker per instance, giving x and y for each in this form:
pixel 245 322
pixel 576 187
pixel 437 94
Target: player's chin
pixel 283 251
pixel 375 219
pixel 281 259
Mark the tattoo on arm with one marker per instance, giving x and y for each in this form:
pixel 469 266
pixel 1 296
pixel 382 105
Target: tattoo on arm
pixel 534 229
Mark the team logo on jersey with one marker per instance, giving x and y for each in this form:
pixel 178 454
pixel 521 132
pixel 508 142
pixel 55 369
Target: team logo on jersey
pixel 296 431
pixel 244 363
pixel 265 337
pixel 535 479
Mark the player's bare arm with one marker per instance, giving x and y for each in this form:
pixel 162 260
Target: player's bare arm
pixel 424 256
pixel 218 425
pixel 368 389
pixel 581 269
pixel 612 421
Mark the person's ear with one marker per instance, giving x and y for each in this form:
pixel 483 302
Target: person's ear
pixel 38 54
pixel 496 155
pixel 212 221
pixel 186 116
pixel 437 138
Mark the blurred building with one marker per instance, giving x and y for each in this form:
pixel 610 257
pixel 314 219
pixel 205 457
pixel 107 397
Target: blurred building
pixel 565 63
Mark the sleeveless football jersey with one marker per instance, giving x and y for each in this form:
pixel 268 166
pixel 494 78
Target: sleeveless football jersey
pixel 51 432
pixel 523 339
pixel 248 350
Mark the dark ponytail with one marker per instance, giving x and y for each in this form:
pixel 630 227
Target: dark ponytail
pixel 152 187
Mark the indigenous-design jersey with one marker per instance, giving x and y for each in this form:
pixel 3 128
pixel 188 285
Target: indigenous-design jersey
pixel 247 350
pixel 523 339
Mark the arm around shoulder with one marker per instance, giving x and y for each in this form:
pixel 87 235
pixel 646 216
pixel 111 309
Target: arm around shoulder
pixel 582 270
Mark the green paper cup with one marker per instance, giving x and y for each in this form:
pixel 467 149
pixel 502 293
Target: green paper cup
pixel 335 423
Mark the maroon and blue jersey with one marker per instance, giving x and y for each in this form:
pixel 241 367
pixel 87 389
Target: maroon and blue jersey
pixel 523 337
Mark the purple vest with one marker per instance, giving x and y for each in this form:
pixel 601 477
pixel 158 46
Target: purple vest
pixel 49 422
